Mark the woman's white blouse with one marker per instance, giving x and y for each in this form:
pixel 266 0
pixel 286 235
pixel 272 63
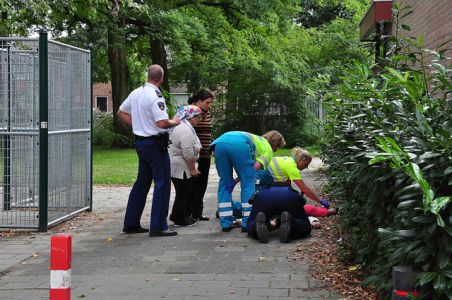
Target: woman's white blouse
pixel 184 145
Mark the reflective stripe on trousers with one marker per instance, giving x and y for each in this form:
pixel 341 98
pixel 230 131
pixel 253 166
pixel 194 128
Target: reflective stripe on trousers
pixel 229 155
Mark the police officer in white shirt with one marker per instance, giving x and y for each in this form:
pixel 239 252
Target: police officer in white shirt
pixel 145 110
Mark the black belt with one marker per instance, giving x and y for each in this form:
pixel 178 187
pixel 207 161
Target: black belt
pixel 143 138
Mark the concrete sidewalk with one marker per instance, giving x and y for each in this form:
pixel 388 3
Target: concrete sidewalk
pixel 200 263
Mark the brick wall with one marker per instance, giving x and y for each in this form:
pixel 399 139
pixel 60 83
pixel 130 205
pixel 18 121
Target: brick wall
pixel 102 90
pixel 432 19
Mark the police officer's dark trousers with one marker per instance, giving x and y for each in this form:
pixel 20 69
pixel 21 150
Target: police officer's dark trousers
pixel 153 164
pixel 273 201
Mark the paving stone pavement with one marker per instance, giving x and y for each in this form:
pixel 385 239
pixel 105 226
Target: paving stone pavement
pixel 200 263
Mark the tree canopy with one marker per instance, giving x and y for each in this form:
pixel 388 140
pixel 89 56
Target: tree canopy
pixel 264 58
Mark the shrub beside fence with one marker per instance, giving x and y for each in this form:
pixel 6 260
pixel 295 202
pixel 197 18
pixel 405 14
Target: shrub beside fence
pixel 104 134
pixel 389 148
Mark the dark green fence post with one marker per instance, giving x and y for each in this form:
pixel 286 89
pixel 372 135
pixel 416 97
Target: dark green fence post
pixel 43 131
pixel 7 144
pixel 90 47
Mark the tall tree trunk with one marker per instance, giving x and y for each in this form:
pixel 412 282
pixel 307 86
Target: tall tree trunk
pixel 117 58
pixel 158 55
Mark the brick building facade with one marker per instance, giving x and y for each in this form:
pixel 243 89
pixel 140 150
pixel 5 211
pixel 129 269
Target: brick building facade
pixel 102 97
pixel 430 18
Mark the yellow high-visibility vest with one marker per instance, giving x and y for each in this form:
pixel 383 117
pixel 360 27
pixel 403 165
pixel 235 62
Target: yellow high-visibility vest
pixel 264 151
pixel 283 168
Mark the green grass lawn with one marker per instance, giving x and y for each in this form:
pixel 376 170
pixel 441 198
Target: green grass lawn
pixel 115 166
pixel 120 166
pixel 313 150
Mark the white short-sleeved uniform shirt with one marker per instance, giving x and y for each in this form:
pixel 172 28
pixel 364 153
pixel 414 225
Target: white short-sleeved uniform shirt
pixel 146 105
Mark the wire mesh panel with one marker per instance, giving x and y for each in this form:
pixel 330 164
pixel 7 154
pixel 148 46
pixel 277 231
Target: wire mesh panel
pixel 19 147
pixel 67 168
pixel 69 115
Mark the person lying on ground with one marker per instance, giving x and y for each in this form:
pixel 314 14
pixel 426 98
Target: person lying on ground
pixel 311 210
pixel 315 211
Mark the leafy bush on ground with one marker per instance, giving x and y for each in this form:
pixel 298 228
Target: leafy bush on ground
pixel 103 131
pixel 389 147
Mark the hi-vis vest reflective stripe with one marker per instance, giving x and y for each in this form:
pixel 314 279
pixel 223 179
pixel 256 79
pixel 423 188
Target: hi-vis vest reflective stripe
pixel 264 151
pixel 280 167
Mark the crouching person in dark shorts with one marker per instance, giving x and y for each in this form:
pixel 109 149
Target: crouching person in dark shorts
pixel 278 207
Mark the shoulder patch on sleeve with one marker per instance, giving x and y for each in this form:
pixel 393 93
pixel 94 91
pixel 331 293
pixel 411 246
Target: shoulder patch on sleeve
pixel 159 94
pixel 161 105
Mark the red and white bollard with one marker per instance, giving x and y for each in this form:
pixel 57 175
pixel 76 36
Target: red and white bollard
pixel 60 267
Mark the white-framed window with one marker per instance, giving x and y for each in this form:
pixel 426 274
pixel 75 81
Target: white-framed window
pixel 101 103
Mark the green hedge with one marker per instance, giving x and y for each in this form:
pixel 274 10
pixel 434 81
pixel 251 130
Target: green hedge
pixel 103 131
pixel 389 147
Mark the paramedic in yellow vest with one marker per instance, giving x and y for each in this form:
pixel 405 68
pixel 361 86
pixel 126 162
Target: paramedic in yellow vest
pixel 283 169
pixel 245 153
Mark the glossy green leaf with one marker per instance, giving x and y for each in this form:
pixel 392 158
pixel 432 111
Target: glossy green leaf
pixel 414 186
pixel 448 171
pixel 443 260
pixel 378 159
pixel 427 277
pixel 440 221
pixel 440 203
pixel 440 282
pixel 407 204
pixel 384 231
pixel 448 230
pixel 405 233
pixel 406 27
pixel 429 218
pixel 429 154
pixel 420 40
pixel 397 74
pixel 415 171
pixel 358 116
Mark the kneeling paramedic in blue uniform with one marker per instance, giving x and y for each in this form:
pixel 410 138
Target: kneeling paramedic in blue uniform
pixel 145 110
pixel 245 153
pixel 285 204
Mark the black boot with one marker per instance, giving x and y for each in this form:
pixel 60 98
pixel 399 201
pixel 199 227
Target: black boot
pixel 284 229
pixel 261 227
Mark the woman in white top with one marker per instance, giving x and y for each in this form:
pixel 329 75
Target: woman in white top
pixel 184 152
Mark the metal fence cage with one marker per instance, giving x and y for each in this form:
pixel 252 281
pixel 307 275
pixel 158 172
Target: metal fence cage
pixel 45 132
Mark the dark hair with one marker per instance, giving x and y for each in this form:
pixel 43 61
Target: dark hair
pixel 200 96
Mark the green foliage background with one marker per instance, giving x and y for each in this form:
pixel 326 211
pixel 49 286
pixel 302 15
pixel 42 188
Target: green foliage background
pixel 265 59
pixel 388 144
pixel 271 64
